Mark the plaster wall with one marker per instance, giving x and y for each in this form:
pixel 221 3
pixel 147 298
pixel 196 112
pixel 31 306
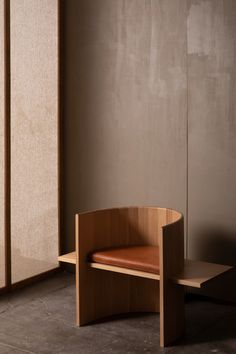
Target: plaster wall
pixel 212 137
pixel 124 105
pixel 150 116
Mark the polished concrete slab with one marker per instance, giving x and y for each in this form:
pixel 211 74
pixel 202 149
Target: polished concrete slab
pixel 41 319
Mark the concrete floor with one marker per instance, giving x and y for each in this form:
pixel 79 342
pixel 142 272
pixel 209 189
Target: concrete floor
pixel 40 319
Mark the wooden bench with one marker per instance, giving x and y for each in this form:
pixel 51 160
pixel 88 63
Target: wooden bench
pixel 195 274
pixel 105 288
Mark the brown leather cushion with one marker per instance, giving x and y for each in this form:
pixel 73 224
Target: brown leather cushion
pixel 144 258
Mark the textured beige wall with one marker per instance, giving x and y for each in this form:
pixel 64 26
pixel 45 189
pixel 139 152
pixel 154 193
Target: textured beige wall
pixel 212 135
pixel 34 153
pixel 2 269
pixel 135 72
pixel 125 105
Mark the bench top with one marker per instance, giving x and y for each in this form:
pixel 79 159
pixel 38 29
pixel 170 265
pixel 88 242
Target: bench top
pixel 195 274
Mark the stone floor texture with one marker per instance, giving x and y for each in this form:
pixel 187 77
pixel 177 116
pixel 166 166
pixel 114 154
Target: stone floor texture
pixel 41 319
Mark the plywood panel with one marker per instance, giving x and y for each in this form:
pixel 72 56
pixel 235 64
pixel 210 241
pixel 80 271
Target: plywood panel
pixel 212 132
pixel 34 138
pixel 125 105
pixel 2 105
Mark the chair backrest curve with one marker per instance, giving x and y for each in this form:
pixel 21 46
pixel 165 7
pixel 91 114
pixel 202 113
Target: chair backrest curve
pixel 125 226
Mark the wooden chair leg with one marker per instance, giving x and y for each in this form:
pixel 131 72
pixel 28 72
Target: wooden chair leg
pixel 172 313
pixel 100 294
pixel 172 318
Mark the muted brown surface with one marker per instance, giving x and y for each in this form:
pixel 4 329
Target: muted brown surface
pixel 144 258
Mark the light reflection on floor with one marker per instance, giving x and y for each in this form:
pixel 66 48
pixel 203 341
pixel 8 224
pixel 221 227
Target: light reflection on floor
pixel 23 267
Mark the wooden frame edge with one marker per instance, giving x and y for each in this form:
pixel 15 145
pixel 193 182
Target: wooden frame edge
pixel 7 144
pixel 77 269
pixel 59 128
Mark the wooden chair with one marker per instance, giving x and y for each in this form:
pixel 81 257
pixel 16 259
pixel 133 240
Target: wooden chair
pixel 131 260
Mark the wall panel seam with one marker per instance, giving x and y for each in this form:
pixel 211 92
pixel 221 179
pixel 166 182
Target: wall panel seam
pixel 187 131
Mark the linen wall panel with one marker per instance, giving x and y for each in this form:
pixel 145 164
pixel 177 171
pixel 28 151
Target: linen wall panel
pixel 125 105
pixel 2 250
pixel 212 132
pixel 34 136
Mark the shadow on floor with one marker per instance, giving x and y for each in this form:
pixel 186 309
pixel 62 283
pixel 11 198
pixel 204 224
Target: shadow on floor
pixel 41 319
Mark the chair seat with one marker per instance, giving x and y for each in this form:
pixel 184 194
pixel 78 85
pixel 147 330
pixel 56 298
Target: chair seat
pixel 142 258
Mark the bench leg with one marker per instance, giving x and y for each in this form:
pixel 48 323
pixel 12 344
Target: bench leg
pixel 172 313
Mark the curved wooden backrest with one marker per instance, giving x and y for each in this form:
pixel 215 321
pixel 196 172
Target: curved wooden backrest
pixel 124 226
pixel 102 293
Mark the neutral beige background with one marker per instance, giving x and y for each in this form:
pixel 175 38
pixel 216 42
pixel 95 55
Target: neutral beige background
pixel 125 105
pixel 34 138
pixel 142 77
pixel 212 135
pixel 2 252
